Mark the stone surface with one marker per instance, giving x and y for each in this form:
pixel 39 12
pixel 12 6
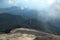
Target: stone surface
pixel 28 34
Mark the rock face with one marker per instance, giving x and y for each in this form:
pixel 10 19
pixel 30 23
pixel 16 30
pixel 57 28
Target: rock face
pixel 27 34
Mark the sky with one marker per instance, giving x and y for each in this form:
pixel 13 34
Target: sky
pixel 51 6
pixel 31 4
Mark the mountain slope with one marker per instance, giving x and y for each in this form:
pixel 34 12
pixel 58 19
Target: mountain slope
pixel 25 18
pixel 42 26
pixel 8 21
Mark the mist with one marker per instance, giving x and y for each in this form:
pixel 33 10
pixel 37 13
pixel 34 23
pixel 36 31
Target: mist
pixel 47 9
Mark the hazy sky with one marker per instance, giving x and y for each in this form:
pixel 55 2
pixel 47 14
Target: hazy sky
pixel 31 4
pixel 52 6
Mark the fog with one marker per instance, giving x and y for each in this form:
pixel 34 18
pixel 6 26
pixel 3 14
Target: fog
pixel 47 9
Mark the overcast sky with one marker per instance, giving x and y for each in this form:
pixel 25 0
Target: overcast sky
pixel 32 4
pixel 35 4
pixel 51 6
pixel 38 4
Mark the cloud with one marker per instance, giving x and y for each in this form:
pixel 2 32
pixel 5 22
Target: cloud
pixel 53 13
pixel 34 4
pixel 6 3
pixel 31 4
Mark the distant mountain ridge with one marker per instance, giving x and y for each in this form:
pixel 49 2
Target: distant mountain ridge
pixel 18 11
pixel 9 22
pixel 14 17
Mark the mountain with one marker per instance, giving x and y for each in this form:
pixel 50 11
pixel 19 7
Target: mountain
pixel 42 26
pixel 8 21
pixel 13 17
pixel 27 13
